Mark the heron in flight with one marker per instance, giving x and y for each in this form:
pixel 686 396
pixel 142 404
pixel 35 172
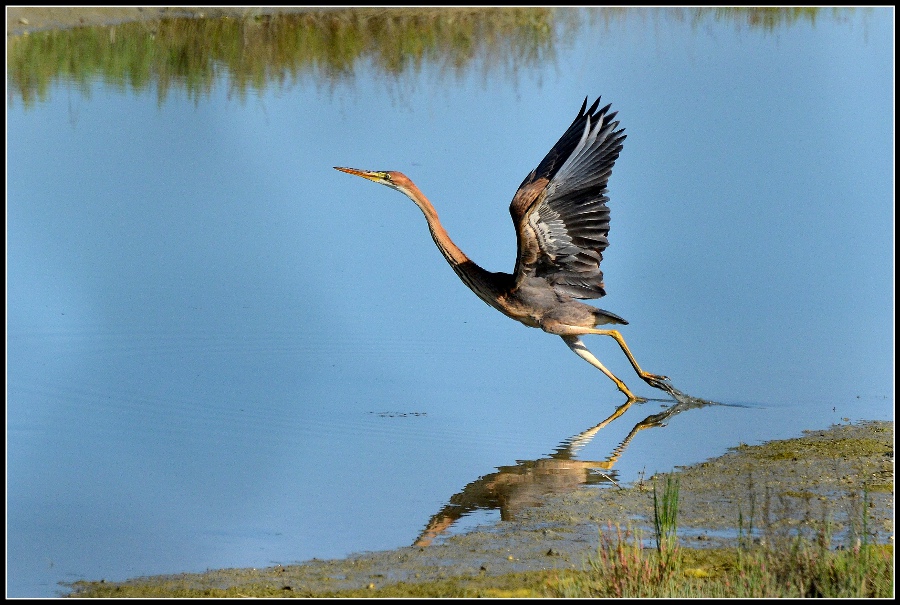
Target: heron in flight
pixel 562 223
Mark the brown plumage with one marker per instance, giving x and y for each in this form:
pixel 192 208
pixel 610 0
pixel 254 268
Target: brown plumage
pixel 562 223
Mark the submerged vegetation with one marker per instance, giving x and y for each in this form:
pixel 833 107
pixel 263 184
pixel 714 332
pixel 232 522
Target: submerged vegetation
pixel 255 49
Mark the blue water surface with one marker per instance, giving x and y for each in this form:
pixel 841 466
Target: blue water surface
pixel 223 353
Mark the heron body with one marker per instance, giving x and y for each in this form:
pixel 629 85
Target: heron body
pixel 562 222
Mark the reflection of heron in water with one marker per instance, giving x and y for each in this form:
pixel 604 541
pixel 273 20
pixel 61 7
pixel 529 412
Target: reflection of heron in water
pixel 525 484
pixel 562 222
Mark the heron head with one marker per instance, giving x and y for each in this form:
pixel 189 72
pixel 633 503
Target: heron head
pixel 394 180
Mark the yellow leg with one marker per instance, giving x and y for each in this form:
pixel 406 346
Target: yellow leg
pixel 653 380
pixel 582 351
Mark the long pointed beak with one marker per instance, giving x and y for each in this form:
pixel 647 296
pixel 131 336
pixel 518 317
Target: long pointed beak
pixel 372 175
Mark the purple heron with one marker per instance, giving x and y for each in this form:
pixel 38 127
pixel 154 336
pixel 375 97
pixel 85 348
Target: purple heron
pixel 562 223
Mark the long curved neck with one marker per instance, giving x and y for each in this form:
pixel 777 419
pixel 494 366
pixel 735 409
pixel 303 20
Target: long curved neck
pixel 451 251
pixel 483 283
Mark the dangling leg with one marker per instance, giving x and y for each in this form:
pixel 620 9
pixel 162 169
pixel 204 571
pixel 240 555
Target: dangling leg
pixel 654 380
pixel 578 347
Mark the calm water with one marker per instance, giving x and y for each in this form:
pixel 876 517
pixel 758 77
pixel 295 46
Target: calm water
pixel 223 353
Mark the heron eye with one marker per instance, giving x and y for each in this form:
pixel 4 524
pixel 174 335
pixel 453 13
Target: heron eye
pixel 387 177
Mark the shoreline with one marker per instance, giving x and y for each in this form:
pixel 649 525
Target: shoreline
pixel 825 474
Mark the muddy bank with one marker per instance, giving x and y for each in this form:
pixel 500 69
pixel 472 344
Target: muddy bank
pixel 781 487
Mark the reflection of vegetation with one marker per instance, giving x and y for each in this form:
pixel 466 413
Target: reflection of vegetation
pixel 257 50
pixel 766 18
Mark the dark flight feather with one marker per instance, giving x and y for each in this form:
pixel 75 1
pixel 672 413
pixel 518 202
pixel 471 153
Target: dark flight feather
pixel 560 212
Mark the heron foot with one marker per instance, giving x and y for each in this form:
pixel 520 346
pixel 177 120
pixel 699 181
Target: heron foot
pixel 657 382
pixel 651 378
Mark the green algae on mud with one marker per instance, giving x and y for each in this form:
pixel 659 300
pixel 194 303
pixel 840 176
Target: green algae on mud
pixel 797 486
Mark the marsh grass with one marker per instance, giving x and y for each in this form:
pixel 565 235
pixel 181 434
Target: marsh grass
pixel 665 522
pixel 782 563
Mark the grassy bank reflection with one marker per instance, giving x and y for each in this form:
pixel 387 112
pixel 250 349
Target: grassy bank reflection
pixel 257 50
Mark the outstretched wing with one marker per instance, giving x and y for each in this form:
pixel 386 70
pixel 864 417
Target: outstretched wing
pixel 560 211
